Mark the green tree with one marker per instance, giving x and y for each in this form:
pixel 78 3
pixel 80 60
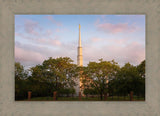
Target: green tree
pixel 20 81
pixel 99 73
pixel 141 69
pixel 59 73
pixel 20 73
pixel 128 79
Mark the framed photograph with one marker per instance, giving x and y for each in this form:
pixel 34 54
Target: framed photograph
pixel 79 58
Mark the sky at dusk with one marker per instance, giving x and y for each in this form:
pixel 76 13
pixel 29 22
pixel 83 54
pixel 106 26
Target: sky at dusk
pixel 118 37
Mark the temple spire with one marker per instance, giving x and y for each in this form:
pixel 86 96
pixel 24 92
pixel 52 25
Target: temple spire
pixel 79 56
pixel 79 43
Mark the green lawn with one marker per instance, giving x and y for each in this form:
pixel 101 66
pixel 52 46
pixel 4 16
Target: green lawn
pixel 115 98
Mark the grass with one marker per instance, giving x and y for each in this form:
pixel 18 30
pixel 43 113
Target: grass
pixel 115 98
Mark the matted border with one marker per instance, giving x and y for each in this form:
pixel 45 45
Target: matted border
pixel 9 107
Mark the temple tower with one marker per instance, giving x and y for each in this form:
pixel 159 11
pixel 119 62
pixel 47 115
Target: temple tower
pixel 79 56
pixel 79 62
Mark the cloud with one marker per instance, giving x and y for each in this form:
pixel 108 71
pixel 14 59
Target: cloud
pixel 109 41
pixel 23 36
pixel 31 27
pixel 96 39
pixel 48 32
pixel 28 57
pixel 50 18
pixel 51 42
pixel 121 50
pixel 45 39
pixel 42 44
pixel 118 42
pixel 44 50
pixel 133 52
pixel 37 35
pixel 31 54
pixel 57 30
pixel 115 28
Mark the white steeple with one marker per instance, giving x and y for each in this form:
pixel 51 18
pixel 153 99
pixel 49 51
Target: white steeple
pixel 79 42
pixel 79 56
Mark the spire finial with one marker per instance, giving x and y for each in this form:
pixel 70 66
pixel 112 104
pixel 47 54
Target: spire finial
pixel 79 57
pixel 79 35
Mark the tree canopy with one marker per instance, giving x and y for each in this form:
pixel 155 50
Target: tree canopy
pixel 97 75
pixel 98 78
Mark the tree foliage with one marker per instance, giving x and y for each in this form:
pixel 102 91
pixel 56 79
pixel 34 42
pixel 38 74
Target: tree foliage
pixel 20 81
pixel 98 78
pixel 97 75
pixel 129 78
pixel 52 75
pixel 59 73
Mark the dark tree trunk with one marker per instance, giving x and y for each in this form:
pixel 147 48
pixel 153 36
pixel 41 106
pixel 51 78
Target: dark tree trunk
pixel 101 96
pixel 57 87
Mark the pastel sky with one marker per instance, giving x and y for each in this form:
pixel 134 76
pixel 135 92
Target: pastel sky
pixel 118 37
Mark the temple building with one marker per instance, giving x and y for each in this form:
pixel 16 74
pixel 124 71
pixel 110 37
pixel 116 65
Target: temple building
pixel 79 62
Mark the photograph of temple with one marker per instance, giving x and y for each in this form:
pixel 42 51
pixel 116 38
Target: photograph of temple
pixel 80 57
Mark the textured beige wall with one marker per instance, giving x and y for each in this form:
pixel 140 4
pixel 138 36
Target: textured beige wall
pixel 9 107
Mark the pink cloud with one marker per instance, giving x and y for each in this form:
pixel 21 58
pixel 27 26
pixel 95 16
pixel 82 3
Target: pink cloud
pixel 96 39
pixel 57 30
pixel 53 20
pixel 51 42
pixel 30 54
pixel 22 36
pixel 61 30
pixel 23 55
pixel 31 26
pixel 48 32
pixel 116 28
pixel 119 42
pixel 56 42
pixel 47 40
pixel 132 52
pixel 18 34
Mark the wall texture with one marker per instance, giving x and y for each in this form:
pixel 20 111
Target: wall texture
pixel 9 107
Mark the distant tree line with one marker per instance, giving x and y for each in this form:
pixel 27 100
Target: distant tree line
pixel 98 78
